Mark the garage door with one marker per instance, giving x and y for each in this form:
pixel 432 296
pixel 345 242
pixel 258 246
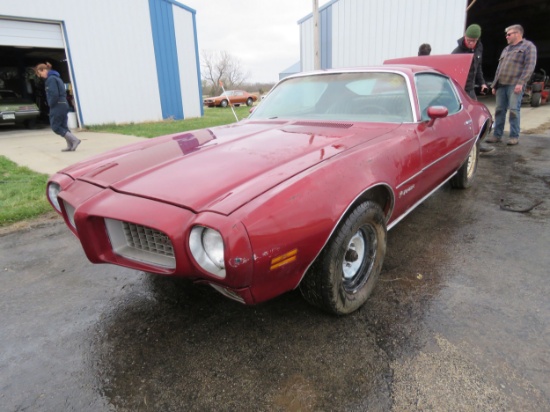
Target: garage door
pixel 30 34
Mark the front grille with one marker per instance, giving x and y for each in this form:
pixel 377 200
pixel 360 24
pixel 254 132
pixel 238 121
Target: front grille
pixel 147 239
pixel 141 243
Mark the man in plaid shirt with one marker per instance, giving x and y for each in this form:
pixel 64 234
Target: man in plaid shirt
pixel 516 65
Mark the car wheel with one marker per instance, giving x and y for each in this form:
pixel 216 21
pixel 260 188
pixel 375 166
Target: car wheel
pixel 536 99
pixel 465 176
pixel 343 276
pixel 537 87
pixel 223 103
pixel 249 101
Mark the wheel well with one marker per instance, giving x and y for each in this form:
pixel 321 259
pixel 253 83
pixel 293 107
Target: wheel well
pixel 485 129
pixel 381 194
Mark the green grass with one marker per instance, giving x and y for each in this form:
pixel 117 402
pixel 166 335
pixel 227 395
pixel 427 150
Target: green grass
pixel 22 193
pixel 215 116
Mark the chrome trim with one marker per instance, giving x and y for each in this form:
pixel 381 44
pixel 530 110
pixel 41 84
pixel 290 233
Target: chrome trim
pixel 434 162
pixel 418 203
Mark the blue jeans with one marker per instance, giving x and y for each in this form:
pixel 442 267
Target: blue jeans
pixel 507 100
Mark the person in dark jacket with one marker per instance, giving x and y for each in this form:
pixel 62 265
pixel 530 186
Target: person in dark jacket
pixel 470 43
pixel 56 96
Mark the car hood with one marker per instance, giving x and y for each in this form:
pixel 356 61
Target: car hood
pixel 222 168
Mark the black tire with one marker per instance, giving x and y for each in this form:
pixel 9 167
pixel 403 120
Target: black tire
pixel 224 103
pixel 249 101
pixel 465 176
pixel 536 99
pixel 537 87
pixel 343 276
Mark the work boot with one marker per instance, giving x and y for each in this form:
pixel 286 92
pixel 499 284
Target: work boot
pixel 72 142
pixel 484 149
pixel 69 145
pixel 493 139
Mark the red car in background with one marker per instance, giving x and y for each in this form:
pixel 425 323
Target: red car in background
pixel 299 195
pixel 235 97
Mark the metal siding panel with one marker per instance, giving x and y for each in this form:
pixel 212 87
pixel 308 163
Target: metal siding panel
pixel 369 32
pixel 307 45
pixel 326 40
pixel 188 63
pixel 164 41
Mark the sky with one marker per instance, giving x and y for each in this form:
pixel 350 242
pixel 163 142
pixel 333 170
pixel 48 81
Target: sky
pixel 262 34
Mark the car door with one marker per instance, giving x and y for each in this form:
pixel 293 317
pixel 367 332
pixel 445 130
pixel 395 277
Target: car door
pixel 445 142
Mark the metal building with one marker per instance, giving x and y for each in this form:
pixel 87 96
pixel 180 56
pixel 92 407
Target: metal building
pixel 122 60
pixel 361 33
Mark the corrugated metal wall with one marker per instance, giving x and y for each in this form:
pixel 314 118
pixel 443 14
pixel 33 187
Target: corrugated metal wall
pixel 112 56
pixel 360 33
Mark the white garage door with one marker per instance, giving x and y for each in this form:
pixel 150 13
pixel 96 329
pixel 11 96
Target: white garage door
pixel 30 34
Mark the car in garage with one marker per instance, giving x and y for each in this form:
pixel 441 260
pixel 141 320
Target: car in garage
pixel 15 109
pixel 234 97
pixel 298 195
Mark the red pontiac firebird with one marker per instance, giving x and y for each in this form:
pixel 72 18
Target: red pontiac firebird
pixel 298 195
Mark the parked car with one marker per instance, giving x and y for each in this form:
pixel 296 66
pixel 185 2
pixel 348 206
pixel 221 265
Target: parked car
pixel 235 97
pixel 299 195
pixel 15 109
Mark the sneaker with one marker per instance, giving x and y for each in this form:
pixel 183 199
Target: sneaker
pixel 484 149
pixel 513 141
pixel 493 139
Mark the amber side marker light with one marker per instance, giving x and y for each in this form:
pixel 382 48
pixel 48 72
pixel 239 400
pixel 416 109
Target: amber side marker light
pixel 283 259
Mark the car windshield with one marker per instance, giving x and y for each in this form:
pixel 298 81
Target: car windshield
pixel 365 97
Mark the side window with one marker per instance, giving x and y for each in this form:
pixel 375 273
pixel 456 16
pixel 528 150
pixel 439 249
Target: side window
pixel 435 90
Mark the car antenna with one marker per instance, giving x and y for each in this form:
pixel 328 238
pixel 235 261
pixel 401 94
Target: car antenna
pixel 229 100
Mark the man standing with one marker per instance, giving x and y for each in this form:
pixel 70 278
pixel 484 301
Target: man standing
pixel 470 43
pixel 516 65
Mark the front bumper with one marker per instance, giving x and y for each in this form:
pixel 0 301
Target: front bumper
pixel 158 239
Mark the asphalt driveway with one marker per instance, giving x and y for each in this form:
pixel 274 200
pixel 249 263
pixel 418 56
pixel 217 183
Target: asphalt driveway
pixel 460 320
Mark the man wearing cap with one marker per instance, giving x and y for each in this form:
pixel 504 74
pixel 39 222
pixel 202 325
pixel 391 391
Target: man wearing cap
pixel 515 67
pixel 470 43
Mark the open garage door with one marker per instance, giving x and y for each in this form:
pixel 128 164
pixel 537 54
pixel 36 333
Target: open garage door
pixel 495 15
pixel 23 45
pixel 30 34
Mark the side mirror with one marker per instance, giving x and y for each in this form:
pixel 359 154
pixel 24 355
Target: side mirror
pixel 436 112
pixel 251 110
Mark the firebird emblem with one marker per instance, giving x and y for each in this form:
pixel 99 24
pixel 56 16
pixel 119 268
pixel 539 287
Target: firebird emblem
pixel 405 191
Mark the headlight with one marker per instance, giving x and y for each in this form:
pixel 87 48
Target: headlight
pixel 208 250
pixel 53 191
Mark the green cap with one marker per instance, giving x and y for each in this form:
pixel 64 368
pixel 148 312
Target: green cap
pixel 473 31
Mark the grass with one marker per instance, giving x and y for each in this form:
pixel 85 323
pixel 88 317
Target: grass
pixel 214 116
pixel 23 192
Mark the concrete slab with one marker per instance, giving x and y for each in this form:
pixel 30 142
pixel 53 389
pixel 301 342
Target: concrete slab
pixel 40 149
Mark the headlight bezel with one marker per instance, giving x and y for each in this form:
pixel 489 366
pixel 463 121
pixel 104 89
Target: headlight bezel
pixel 208 249
pixel 53 191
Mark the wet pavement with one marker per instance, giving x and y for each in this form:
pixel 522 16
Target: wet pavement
pixel 460 320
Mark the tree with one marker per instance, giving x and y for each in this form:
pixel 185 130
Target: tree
pixel 222 66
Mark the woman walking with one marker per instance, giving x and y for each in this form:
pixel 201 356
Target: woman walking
pixel 59 107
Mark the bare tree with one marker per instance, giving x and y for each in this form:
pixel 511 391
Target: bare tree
pixel 222 66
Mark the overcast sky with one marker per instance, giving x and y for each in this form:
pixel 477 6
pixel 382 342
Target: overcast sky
pixel 262 34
